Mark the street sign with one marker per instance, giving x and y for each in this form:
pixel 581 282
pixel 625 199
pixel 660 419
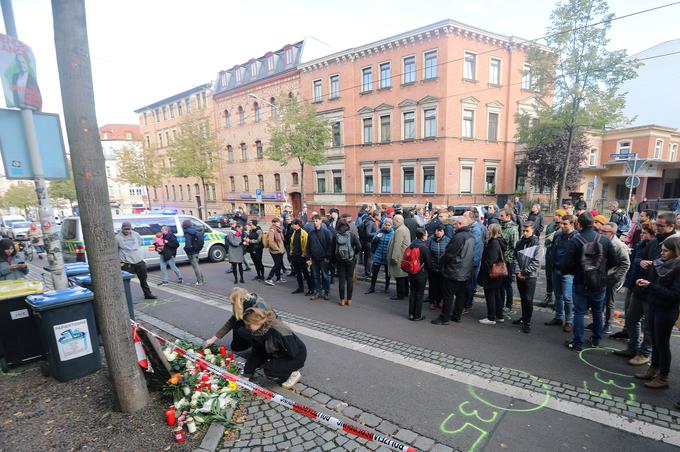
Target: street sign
pixel 258 195
pixel 629 155
pixel 632 181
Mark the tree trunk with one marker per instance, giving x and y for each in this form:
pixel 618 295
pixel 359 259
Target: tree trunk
pixel 203 200
pixel 302 186
pixel 89 171
pixel 148 195
pixel 565 169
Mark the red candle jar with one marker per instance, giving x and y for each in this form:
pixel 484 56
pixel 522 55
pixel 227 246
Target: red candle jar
pixel 179 434
pixel 205 377
pixel 170 416
pixel 223 350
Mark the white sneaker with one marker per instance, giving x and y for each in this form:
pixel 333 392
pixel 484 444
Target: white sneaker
pixel 292 380
pixel 487 321
pixel 269 282
pixel 282 280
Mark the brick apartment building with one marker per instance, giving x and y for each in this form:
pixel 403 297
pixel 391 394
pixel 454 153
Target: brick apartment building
pixel 159 124
pixel 428 114
pixel 604 176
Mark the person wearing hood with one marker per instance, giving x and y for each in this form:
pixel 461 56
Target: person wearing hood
pixel 395 254
pixel 510 233
pixel 528 255
pixel 12 266
pixel 130 254
pixel 437 244
pixel 346 246
pixel 380 246
pixel 192 247
pixel 663 295
pixel 418 280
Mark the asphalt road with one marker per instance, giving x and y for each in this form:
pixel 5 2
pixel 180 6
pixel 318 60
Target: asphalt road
pixel 414 396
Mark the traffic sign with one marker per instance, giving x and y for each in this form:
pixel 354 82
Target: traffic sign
pixel 632 181
pixel 258 195
pixel 629 155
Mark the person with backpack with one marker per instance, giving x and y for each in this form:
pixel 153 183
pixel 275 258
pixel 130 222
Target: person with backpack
pixel 255 247
pixel 620 218
pixel 367 229
pixel 379 246
pixel 492 255
pixel 528 256
pixel 416 263
pixel 193 244
pixel 395 253
pixel 588 257
pixel 347 247
pixel 437 244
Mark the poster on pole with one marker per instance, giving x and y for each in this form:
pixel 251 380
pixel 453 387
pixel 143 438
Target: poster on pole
pixel 18 74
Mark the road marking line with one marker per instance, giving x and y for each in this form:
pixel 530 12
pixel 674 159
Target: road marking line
pixel 613 420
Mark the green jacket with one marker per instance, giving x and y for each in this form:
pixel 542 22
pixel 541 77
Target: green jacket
pixel 510 233
pixel 550 234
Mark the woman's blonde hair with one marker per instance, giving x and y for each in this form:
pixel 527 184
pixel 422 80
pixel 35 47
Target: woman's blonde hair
pixel 238 296
pixel 494 231
pixel 257 316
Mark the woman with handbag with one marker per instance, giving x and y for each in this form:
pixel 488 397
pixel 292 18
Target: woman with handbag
pixel 491 274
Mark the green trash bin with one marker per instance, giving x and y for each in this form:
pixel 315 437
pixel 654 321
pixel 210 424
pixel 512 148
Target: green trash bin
pixel 68 332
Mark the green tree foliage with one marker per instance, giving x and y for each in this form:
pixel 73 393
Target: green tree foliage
pixel 22 196
pixel 64 189
pixel 584 77
pixel 195 150
pixel 139 167
pixel 298 134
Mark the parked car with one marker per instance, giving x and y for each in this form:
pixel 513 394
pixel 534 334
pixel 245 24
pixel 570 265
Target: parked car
pixel 219 220
pixel 6 223
pixel 19 230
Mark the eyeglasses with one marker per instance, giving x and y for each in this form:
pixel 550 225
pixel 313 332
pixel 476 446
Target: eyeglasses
pixel 126 229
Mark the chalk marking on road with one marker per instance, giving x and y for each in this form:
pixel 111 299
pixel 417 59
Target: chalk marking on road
pixel 613 420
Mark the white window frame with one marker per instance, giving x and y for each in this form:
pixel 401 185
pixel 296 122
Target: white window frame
pixel 422 178
pixel 434 70
pixel 621 149
pixel 592 157
pixel 436 122
pixel 342 184
pixel 403 125
pixel 380 179
pixel 333 94
pixel 363 132
pixel 465 164
pixel 385 83
pixel 403 69
pixel 412 167
pixel 474 55
pixel 380 137
pixel 488 167
pixel 270 63
pixel 527 76
pixel 253 69
pixel 316 181
pixel 318 83
pixel 462 125
pixel 658 148
pixel 673 154
pixel 364 87
pixel 332 133
pixel 363 179
pixel 497 112
pixel 500 68
pixel 288 55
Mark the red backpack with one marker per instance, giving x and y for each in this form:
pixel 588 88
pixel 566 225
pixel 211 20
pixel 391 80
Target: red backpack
pixel 410 262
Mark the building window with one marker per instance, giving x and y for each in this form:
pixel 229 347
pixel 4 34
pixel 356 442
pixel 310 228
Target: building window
pixel 108 171
pixel 230 153
pixel 495 71
pixel 181 193
pixel 174 193
pixel 148 141
pixel 658 149
pixel 317 89
pixel 105 136
pixel 674 153
pixel 237 73
pixel 157 116
pixel 270 63
pixel 492 134
pixel 367 79
pixel 189 192
pixel 272 106
pixel 466 179
pixel 321 182
pixel 288 54
pixel 145 120
pixel 197 190
pixel 368 130
pixel 160 140
pixel 337 134
pixel 408 185
pixel 430 123
pixel 205 101
pixel 260 181
pixel 179 108
pixel 296 179
pixel 337 181
pixel 187 104
pixel 244 151
pixel 256 108
pixel 277 182
pixel 167 138
pixel 624 147
pixel 490 180
pixel 526 77
pixel 253 70
pixel 409 125
pixel 167 193
pixel 385 128
pixel 334 87
pixel 165 114
pixel 368 181
pixel 385 180
pixel 246 185
pixel 260 152
pixel 172 111
pixel 468 123
pixel 385 75
pixel 428 179
pixel 155 193
pixel 592 159
pixel 232 184
pixel 470 68
pixel 227 119
pixel 241 115
pixel 430 64
pixel 409 69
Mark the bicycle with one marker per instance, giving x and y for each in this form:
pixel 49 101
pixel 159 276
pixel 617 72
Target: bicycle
pixel 28 250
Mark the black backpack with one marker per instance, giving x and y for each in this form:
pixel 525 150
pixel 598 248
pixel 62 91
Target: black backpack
pixel 593 263
pixel 198 242
pixel 344 251
pixel 362 229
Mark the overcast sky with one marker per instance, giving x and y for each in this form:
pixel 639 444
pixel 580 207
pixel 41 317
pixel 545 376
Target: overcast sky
pixel 145 50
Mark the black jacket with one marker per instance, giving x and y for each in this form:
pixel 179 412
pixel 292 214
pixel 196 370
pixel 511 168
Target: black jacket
pixel 279 342
pixel 412 225
pixel 571 265
pixel 171 245
pixel 320 243
pixel 456 263
pixel 493 252
pixel 354 239
pixel 664 294
pixel 560 246
pixel 537 218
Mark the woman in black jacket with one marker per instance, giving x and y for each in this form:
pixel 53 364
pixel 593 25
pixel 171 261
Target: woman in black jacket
pixel 276 349
pixel 663 295
pixel 418 280
pixel 493 253
pixel 167 254
pixel 345 243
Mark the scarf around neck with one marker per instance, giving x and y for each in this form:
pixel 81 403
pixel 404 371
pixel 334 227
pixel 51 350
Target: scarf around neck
pixel 663 268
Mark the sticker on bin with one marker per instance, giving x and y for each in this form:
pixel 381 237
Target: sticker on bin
pixel 20 314
pixel 73 339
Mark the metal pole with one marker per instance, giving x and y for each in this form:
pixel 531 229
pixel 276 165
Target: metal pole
pixel 55 257
pixel 632 179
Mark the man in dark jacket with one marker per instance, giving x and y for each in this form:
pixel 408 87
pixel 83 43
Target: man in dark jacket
pixel 191 240
pixel 437 245
pixel 439 219
pixel 536 218
pixel 585 298
pixel 320 249
pixel 491 216
pixel 456 267
pixel 241 217
pixel 479 232
pixel 296 245
pixel 411 223
pixel 562 283
pixel 366 231
pixel 528 255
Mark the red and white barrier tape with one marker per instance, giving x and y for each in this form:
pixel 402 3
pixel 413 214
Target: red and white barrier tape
pixel 318 416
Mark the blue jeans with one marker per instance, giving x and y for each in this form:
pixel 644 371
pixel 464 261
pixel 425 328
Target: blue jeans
pixel 471 287
pixel 164 268
pixel 563 288
pixel 506 286
pixel 584 299
pixel 637 318
pixel 321 275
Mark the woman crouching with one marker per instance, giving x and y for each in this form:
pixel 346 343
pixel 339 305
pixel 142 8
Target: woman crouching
pixel 276 349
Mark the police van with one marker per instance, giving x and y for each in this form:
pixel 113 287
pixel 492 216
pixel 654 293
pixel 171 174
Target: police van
pixel 146 226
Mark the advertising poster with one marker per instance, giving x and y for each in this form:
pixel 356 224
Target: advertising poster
pixel 73 339
pixel 18 75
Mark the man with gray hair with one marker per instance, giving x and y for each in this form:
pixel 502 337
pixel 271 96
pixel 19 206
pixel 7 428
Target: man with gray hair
pixel 395 254
pixel 131 257
pixel 536 218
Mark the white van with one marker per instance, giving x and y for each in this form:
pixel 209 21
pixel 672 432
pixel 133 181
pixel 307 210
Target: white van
pixel 147 226
pixel 6 223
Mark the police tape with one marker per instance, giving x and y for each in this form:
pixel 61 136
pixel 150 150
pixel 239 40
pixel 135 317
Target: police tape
pixel 318 416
